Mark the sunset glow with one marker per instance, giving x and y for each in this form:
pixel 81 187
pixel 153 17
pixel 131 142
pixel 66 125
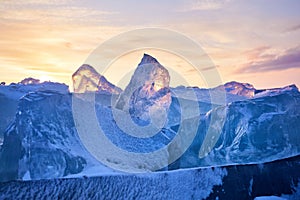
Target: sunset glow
pixel 248 41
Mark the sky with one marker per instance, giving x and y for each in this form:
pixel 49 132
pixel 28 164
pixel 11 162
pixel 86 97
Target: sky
pixel 253 41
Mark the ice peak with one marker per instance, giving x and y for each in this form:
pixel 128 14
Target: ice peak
pixel 148 90
pixel 30 80
pixel 85 67
pixel 238 84
pixel 87 79
pixel 147 59
pixel 292 87
pixel 237 88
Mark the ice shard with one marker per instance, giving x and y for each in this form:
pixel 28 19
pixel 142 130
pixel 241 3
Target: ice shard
pixel 87 79
pixel 148 93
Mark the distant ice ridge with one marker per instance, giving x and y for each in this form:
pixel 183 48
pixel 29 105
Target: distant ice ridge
pixel 275 91
pixel 17 90
pixel 248 90
pixel 241 89
pixel 235 91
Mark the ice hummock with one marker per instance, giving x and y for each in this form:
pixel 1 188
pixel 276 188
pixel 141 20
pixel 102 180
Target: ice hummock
pixel 255 130
pixel 148 93
pixel 87 79
pixel 42 141
pixel 241 89
pixel 10 95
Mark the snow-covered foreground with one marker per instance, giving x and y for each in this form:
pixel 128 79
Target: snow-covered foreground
pixel 279 178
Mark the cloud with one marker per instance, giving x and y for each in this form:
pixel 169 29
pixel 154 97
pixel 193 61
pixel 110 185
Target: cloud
pixel 293 28
pixel 260 53
pixel 194 5
pixel 263 62
pixel 66 11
